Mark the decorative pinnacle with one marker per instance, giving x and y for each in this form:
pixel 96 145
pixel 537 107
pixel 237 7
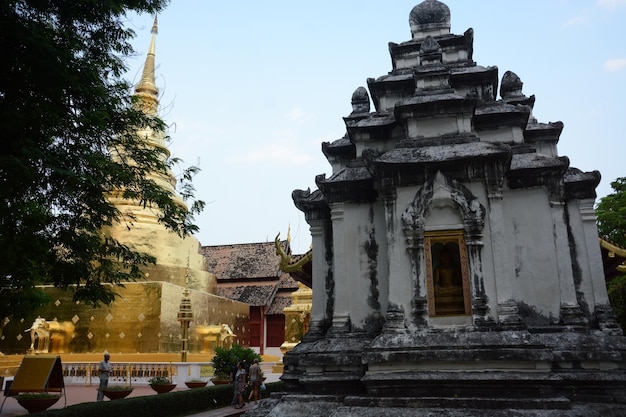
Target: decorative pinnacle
pixel 146 90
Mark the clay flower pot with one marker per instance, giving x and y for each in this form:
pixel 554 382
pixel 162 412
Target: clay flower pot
pixel 195 384
pixel 37 403
pixel 115 393
pixel 217 381
pixel 162 388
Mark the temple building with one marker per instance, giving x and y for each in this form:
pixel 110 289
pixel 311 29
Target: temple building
pixel 250 273
pixel 144 318
pixel 613 259
pixel 456 266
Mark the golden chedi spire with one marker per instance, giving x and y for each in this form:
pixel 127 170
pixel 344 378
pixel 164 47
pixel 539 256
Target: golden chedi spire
pixel 179 260
pixel 147 101
pixel 146 90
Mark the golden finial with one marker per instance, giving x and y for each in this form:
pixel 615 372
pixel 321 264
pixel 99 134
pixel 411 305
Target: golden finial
pixel 146 90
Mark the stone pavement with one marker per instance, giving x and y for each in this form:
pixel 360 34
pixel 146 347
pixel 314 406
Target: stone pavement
pixel 76 394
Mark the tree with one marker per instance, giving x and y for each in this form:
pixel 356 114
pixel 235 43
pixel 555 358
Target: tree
pixel 64 109
pixel 611 213
pixel 226 359
pixel 617 296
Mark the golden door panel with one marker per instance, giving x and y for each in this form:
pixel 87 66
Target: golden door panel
pixel 447 280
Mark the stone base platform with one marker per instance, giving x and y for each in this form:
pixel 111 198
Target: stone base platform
pixel 294 405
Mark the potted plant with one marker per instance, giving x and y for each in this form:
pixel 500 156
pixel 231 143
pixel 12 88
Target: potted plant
pixel 161 384
pixel 116 392
pixel 226 359
pixel 195 383
pixel 220 378
pixel 37 402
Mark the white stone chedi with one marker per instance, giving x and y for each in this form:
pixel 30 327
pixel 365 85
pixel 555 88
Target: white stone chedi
pixel 456 264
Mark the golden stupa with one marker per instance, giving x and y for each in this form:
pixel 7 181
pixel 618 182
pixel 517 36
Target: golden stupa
pixel 179 259
pixel 143 319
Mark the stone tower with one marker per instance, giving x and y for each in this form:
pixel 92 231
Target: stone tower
pixel 456 266
pixel 179 260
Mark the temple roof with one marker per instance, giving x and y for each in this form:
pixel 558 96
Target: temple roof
pixel 428 15
pixel 243 261
pixel 430 12
pixel 533 161
pixel 438 154
pixel 252 294
pixel 613 259
pixel 536 131
pixel 279 304
pixel 250 273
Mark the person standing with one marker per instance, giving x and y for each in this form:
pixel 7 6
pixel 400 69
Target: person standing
pixel 255 380
pixel 239 384
pixel 231 377
pixel 104 369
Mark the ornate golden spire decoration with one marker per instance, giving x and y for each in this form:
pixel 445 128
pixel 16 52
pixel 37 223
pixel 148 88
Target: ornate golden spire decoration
pixel 146 90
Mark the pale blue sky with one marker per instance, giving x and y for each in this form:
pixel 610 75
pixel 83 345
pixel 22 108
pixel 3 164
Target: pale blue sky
pixel 252 89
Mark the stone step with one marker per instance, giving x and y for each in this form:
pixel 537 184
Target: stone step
pixel 548 403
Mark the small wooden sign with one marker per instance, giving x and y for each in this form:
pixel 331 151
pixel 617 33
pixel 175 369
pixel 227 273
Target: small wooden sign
pixel 39 374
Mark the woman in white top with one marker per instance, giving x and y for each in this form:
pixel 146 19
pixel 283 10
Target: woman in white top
pixel 255 380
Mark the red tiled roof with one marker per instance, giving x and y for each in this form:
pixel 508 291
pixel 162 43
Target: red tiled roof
pixel 279 303
pixel 254 295
pixel 286 282
pixel 243 261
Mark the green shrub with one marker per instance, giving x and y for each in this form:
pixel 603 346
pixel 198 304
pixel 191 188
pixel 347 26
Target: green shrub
pixel 172 404
pixel 36 395
pixel 225 359
pixel 116 388
pixel 159 380
pixel 617 296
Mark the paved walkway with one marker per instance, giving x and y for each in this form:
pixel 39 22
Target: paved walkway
pixel 76 394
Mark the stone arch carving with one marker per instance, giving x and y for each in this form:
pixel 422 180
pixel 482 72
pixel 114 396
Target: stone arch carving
pixel 442 193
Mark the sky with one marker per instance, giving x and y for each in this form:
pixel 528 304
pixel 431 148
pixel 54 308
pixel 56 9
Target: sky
pixel 251 89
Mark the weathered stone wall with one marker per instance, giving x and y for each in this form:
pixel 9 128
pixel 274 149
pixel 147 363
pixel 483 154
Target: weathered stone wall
pixel 444 163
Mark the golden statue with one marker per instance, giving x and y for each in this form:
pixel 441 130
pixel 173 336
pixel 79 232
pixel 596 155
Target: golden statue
pixel 448 285
pixel 50 336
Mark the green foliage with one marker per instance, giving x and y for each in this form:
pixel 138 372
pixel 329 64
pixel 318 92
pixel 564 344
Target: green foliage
pixel 617 296
pixel 225 359
pixel 66 112
pixel 36 396
pixel 611 213
pixel 172 404
pixel 116 388
pixel 159 380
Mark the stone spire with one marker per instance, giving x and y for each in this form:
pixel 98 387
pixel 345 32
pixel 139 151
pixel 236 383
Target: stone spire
pixel 360 101
pixel 430 17
pixel 146 90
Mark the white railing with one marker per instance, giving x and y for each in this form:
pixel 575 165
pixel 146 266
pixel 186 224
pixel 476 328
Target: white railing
pixel 137 373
